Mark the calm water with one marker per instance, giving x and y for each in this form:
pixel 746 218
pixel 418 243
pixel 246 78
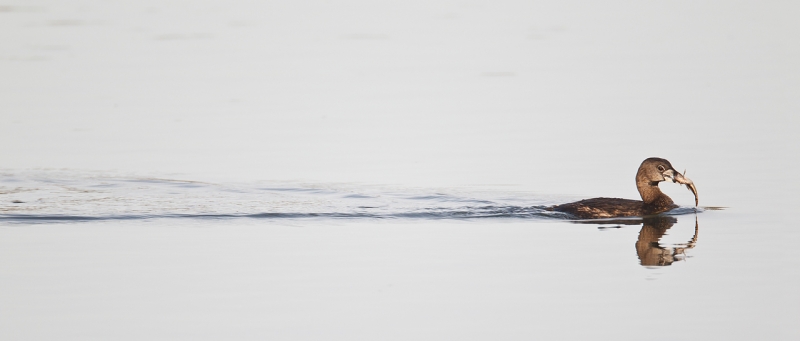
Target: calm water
pixel 231 170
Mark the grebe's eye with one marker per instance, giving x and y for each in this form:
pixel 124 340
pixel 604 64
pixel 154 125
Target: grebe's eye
pixel 661 168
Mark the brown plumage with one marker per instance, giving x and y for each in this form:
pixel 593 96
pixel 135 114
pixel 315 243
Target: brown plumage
pixel 650 173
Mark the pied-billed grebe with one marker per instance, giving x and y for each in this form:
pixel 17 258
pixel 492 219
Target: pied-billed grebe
pixel 650 173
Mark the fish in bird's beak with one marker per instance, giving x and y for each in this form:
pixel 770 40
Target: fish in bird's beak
pixel 683 180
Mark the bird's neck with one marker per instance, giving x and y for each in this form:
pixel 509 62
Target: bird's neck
pixel 651 194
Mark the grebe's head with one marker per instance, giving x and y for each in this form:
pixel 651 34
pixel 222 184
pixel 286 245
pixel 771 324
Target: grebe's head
pixel 654 170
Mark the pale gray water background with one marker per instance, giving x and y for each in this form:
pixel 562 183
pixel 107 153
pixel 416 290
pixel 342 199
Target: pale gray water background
pixel 179 128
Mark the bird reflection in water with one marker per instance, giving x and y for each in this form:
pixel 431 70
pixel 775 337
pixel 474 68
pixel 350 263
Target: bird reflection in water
pixel 649 249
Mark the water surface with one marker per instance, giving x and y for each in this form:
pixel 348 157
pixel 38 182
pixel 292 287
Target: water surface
pixel 361 170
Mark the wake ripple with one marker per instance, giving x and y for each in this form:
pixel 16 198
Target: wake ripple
pixel 463 213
